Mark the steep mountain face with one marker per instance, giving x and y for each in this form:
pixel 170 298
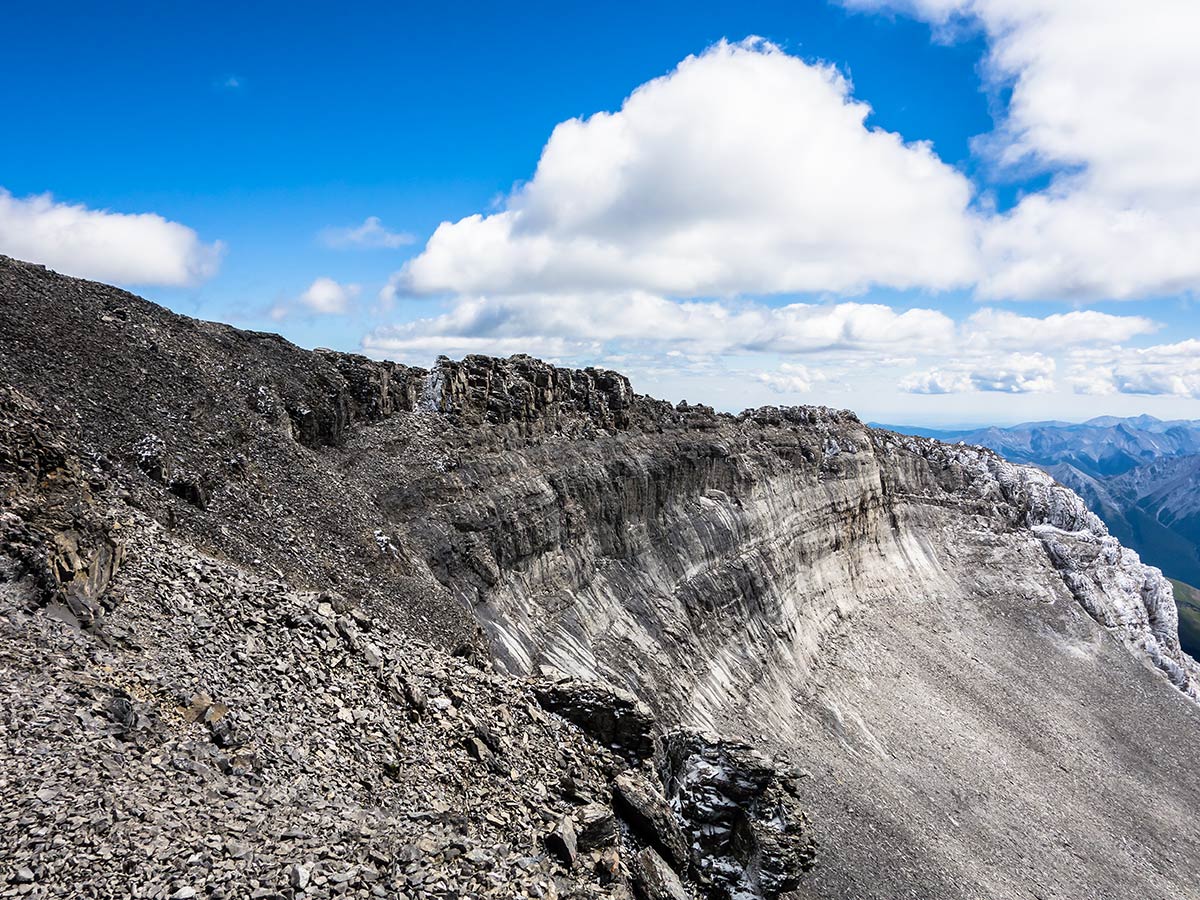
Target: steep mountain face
pixel 1168 487
pixel 1141 475
pixel 1187 601
pixel 672 545
pixel 403 588
pixel 1154 508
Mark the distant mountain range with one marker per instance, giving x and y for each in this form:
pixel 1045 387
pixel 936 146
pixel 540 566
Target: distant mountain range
pixel 1141 475
pixel 1154 508
pixel 1100 447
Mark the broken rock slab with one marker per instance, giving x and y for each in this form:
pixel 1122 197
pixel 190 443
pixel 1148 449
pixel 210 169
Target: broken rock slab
pixel 653 879
pixel 597 827
pixel 563 841
pixel 640 803
pixel 612 716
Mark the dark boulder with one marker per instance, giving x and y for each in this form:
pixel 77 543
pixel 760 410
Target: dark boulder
pixel 608 714
pixel 739 816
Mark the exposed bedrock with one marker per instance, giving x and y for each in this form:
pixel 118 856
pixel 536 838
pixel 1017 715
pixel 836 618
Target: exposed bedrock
pixel 974 672
pixel 692 564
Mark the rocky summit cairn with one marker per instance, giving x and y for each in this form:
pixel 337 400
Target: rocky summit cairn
pixel 278 623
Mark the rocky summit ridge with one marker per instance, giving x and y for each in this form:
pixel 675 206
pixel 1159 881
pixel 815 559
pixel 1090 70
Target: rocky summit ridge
pixel 288 623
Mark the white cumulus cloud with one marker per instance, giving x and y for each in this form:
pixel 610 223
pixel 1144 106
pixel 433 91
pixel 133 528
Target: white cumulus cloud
pixel 127 248
pixel 328 297
pixel 1017 373
pixel 745 170
pixel 1103 92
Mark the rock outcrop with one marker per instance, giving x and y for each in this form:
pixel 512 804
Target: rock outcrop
pixel 282 623
pixel 611 716
pixel 748 835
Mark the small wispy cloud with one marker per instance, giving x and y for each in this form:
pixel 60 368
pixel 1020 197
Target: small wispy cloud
pixel 1016 373
pixel 231 83
pixel 370 233
pixel 791 378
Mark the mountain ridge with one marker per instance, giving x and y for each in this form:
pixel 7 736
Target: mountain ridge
pixel 872 613
pixel 1139 474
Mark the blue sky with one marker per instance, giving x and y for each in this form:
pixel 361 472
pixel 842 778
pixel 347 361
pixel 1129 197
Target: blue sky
pixel 276 130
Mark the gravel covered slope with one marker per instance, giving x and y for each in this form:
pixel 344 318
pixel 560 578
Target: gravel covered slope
pixel 218 433
pixel 225 674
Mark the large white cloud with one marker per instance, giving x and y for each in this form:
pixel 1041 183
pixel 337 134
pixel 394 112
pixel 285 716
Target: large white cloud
pixel 132 249
pixel 745 170
pixel 1104 92
pixel 1017 373
pixel 586 322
